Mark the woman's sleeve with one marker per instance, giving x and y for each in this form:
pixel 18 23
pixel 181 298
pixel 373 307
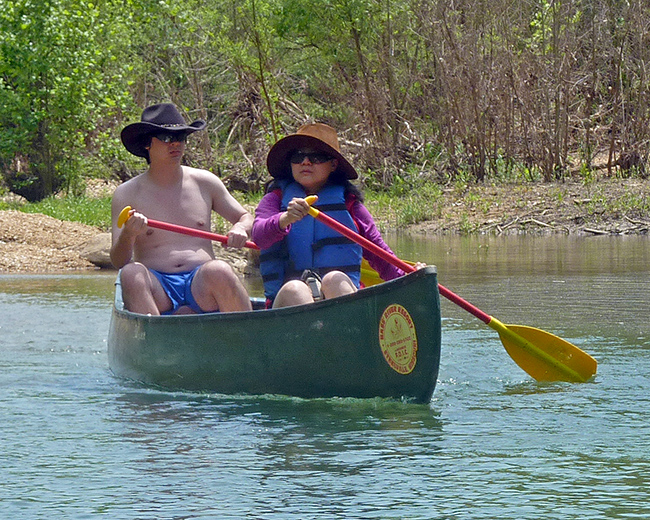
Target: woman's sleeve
pixel 368 229
pixel 266 226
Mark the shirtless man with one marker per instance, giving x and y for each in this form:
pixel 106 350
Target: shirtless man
pixel 165 272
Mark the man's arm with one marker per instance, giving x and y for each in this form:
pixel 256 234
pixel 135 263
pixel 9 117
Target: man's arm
pixel 227 206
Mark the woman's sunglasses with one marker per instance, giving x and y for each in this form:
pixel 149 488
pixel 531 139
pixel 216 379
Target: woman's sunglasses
pixel 314 157
pixel 169 137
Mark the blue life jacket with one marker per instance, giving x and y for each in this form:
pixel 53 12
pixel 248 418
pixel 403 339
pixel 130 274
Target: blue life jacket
pixel 311 244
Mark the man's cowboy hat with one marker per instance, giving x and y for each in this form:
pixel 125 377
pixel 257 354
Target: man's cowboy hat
pixel 318 136
pixel 164 117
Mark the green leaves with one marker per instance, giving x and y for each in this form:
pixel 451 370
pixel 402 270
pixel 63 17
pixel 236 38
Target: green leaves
pixel 485 83
pixel 57 60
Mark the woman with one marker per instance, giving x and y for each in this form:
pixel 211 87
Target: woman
pixel 303 260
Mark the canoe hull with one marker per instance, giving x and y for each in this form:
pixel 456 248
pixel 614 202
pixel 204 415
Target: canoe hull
pixel 383 341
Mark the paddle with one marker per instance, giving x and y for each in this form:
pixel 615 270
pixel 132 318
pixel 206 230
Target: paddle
pixel 125 215
pixel 542 355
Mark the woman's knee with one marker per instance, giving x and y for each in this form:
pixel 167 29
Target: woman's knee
pixel 337 283
pixel 294 292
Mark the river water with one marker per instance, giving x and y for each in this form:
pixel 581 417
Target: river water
pixel 79 443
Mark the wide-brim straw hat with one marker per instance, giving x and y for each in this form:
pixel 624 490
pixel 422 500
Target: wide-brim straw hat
pixel 317 136
pixel 163 117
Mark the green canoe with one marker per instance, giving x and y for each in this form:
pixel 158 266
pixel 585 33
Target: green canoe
pixel 383 341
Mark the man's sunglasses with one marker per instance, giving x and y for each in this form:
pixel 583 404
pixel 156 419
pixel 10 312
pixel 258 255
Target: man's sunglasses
pixel 314 157
pixel 169 137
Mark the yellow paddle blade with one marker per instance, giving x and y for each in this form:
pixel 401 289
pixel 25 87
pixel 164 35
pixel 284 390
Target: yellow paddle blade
pixel 369 276
pixel 543 355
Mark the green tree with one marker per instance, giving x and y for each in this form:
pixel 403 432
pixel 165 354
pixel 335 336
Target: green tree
pixel 60 85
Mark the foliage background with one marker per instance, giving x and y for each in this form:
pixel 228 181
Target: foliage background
pixel 421 91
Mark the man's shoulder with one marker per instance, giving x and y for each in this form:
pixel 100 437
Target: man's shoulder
pixel 200 174
pixel 190 170
pixel 130 184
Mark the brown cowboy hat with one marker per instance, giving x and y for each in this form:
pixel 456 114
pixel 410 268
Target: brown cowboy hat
pixel 163 117
pixel 318 136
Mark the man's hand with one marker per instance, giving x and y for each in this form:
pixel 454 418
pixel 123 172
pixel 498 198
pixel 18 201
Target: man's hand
pixel 124 238
pixel 237 236
pixel 135 225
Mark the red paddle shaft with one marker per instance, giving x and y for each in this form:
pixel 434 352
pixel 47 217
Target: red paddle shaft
pixel 126 213
pixel 194 232
pixel 407 268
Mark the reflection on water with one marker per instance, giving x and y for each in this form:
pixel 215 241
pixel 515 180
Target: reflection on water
pixel 78 287
pixel 81 443
pixel 488 255
pixel 310 415
pixel 570 285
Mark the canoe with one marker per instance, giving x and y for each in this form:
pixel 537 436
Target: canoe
pixel 383 341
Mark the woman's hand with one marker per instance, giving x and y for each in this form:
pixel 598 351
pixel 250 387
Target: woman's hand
pixel 297 209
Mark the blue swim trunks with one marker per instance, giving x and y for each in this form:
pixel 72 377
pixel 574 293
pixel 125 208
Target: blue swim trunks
pixel 178 287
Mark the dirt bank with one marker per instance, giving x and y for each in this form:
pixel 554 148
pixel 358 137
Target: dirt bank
pixel 38 243
pixel 31 243
pixel 607 207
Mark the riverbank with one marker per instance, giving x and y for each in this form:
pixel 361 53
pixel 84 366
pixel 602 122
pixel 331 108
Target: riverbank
pixel 605 207
pixel 35 243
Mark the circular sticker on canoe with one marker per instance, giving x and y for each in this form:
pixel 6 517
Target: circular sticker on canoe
pixel 397 339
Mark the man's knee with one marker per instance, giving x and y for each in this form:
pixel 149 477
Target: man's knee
pixel 134 275
pixel 216 272
pixel 139 290
pixel 216 286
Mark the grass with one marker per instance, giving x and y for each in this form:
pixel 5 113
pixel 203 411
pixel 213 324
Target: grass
pixel 391 210
pixel 90 211
pixel 397 210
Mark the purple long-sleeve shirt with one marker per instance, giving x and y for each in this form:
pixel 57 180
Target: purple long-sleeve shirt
pixel 266 231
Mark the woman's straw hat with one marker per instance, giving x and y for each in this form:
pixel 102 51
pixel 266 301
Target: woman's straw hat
pixel 317 136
